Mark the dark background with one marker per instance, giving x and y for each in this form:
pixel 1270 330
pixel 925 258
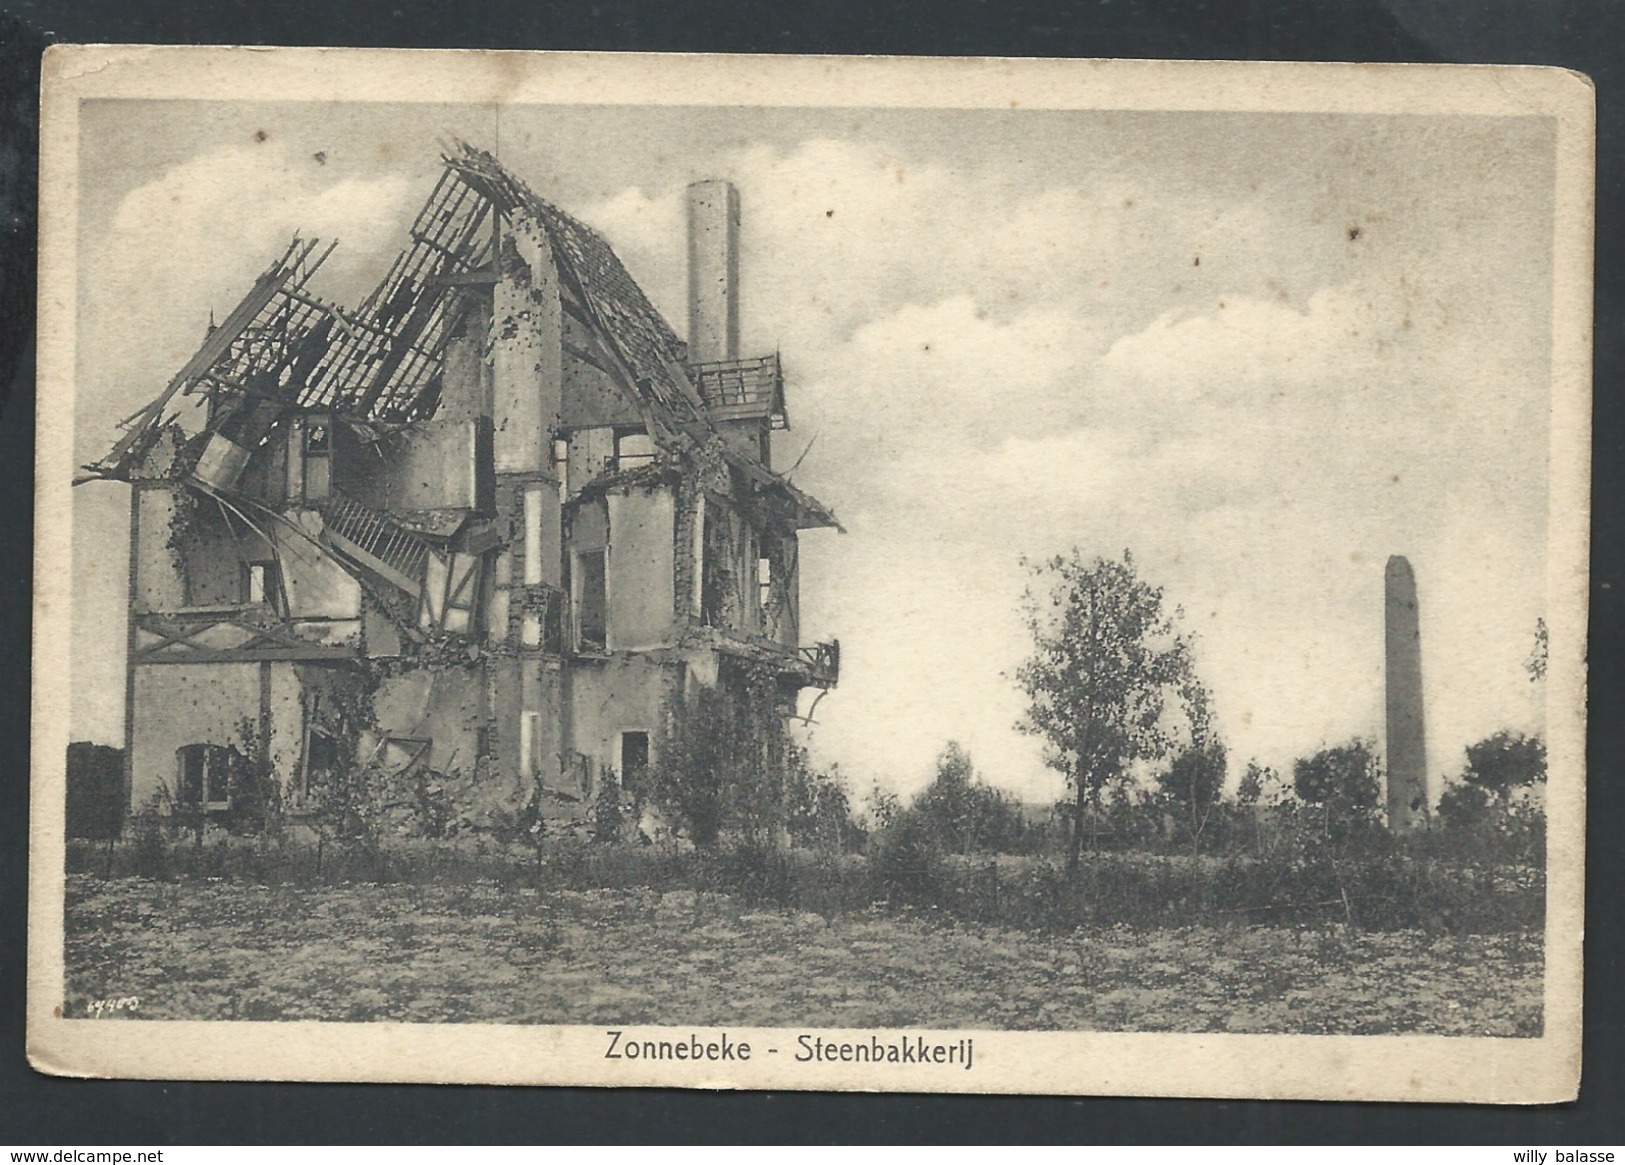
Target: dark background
pixel 1586 35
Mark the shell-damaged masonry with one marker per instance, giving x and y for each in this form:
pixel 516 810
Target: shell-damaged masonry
pixel 487 543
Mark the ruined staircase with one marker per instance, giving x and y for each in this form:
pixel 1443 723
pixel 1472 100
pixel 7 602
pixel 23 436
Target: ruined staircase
pixel 375 542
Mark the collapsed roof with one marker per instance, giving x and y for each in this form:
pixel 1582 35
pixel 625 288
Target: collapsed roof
pixel 380 363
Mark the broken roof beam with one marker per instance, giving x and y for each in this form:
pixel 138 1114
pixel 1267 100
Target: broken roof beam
pixel 425 269
pixel 608 355
pixel 215 345
pixel 637 339
pixel 479 277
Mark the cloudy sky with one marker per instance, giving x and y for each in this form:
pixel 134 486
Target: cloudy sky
pixel 1262 351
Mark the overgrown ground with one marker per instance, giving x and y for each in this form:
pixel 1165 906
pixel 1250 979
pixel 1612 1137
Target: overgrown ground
pixel 483 952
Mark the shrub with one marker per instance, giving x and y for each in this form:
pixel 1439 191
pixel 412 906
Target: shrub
pixel 149 857
pixel 818 809
pixel 907 864
pixel 254 791
pixel 1464 808
pixel 1476 826
pixel 758 873
pixel 1504 762
pixel 1192 784
pixel 721 769
pixel 609 811
pixel 963 813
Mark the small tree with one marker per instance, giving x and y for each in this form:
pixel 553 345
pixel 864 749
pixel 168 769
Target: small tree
pixel 1131 813
pixel 692 774
pixel 1506 761
pixel 818 809
pixel 1345 782
pixel 1464 808
pixel 609 809
pixel 962 812
pixel 1194 783
pixel 1535 665
pixel 884 807
pixel 1106 656
pixel 1479 813
pixel 1260 785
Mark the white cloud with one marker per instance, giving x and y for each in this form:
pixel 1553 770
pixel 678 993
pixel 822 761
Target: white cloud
pixel 838 234
pixel 1262 460
pixel 1240 341
pixel 256 197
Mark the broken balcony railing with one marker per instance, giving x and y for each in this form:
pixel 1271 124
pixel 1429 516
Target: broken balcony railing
pixel 816 664
pixel 823 661
pixel 742 390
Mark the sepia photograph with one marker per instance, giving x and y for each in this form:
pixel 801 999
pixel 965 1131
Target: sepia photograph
pixel 745 572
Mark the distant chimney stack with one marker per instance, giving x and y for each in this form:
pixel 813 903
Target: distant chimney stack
pixel 1407 742
pixel 713 272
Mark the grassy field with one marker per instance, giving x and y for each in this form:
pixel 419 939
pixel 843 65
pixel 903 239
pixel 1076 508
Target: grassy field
pixel 216 949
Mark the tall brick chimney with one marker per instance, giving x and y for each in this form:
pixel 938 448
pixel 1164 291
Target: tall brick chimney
pixel 713 271
pixel 1407 748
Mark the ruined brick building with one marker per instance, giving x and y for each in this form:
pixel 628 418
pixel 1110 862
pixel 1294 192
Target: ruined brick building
pixel 494 526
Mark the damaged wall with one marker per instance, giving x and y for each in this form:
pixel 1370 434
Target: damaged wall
pixel 592 454
pixel 434 726
pixel 207 704
pixel 591 396
pixel 781 606
pixel 266 476
pixel 465 376
pixel 642 567
pixel 315 586
pixel 160 577
pixel 216 551
pixel 436 735
pixel 526 352
pixel 728 580
pixel 519 613
pixel 444 704
pixel 434 465
pixel 626 693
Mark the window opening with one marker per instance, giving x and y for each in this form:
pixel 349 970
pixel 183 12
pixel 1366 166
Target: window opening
pixel 592 614
pixel 713 575
pixel 261 584
pixel 764 582
pixel 321 759
pixel 318 457
pixel 634 758
pixel 204 780
pixel 633 449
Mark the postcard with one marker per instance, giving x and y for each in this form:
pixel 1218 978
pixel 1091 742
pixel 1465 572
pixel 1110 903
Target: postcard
pixel 975 575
